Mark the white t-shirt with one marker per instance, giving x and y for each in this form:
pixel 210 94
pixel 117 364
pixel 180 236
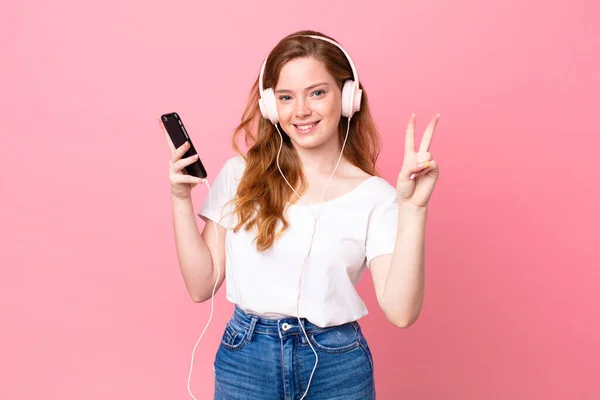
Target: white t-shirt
pixel 352 230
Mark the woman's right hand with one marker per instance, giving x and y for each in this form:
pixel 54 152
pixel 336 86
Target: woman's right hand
pixel 181 182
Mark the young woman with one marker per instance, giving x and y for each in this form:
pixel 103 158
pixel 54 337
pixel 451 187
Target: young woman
pixel 295 222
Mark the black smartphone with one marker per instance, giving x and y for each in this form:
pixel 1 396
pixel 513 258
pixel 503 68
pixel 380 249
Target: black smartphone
pixel 179 136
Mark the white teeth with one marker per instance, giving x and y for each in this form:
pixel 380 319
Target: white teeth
pixel 305 127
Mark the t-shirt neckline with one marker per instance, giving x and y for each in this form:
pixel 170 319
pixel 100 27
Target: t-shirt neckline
pixel 338 198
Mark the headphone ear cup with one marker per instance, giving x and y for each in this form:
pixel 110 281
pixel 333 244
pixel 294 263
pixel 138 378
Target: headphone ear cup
pixel 263 108
pixel 346 98
pixel 357 100
pixel 351 98
pixel 268 106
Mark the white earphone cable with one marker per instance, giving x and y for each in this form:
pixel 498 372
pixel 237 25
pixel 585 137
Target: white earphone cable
pixel 316 217
pixel 212 297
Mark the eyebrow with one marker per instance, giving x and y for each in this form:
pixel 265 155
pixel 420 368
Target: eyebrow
pixel 308 88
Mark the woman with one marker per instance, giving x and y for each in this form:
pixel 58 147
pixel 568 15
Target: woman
pixel 295 251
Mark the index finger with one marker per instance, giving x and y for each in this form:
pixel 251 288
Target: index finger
pixel 428 135
pixel 169 141
pixel 409 140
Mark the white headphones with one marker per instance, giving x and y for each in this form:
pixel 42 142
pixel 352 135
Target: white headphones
pixel 351 92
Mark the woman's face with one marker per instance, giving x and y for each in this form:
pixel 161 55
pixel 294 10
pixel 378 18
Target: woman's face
pixel 309 103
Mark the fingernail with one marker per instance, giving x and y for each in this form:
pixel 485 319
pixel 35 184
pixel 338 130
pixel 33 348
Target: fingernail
pixel 412 175
pixel 425 164
pixel 438 115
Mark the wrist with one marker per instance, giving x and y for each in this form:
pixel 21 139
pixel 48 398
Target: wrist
pixel 181 200
pixel 412 209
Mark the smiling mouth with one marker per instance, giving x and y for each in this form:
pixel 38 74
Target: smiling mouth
pixel 306 127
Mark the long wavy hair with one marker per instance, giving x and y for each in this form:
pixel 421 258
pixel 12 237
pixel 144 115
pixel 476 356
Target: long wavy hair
pixel 262 195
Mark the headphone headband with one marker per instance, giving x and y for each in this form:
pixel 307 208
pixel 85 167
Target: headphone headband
pixel 352 66
pixel 351 92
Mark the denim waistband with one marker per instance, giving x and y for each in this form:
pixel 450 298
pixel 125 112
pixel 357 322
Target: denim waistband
pixel 285 326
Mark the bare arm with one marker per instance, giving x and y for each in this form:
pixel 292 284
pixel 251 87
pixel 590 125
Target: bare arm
pixel 197 252
pixel 399 278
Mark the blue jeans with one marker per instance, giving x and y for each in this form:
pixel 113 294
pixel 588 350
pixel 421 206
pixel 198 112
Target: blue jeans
pixel 266 359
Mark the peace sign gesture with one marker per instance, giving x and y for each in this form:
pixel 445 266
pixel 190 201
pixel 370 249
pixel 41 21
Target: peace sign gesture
pixel 420 172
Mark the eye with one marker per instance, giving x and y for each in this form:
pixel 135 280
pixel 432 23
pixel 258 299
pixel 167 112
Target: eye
pixel 284 98
pixel 318 92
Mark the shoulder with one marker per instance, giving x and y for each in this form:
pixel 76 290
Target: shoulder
pixel 379 198
pixel 374 185
pixel 235 164
pixel 378 187
pixel 228 177
pixel 233 169
pixel 375 182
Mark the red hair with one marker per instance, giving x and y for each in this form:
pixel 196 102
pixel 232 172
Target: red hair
pixel 262 195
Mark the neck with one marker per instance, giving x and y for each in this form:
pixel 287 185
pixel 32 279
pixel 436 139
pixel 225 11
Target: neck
pixel 321 160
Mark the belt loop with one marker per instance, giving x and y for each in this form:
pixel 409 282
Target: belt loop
pixel 302 336
pixel 250 333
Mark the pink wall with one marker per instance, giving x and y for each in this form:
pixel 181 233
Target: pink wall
pixel 92 303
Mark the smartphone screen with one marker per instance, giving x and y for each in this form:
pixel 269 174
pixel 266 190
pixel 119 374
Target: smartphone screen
pixel 179 136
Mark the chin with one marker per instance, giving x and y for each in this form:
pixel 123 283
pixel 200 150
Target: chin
pixel 306 144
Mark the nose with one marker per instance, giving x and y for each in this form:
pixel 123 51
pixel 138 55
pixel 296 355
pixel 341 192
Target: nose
pixel 302 109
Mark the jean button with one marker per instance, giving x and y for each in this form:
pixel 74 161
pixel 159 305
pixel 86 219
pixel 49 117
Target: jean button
pixel 285 326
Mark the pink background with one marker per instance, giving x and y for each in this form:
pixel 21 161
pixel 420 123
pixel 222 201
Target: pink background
pixel 92 302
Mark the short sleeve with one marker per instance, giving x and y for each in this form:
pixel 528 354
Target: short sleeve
pixel 383 225
pixel 217 205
